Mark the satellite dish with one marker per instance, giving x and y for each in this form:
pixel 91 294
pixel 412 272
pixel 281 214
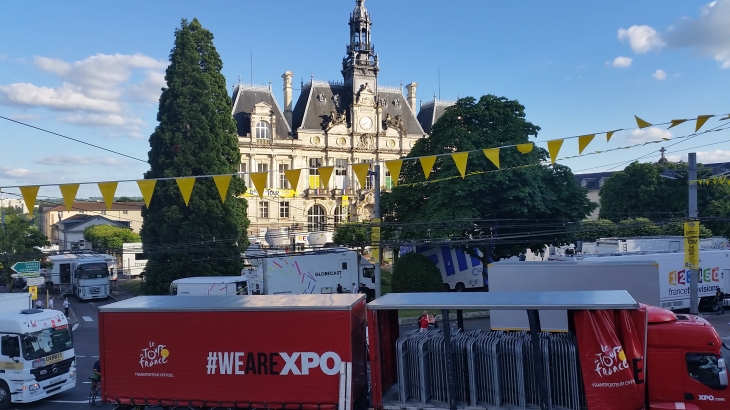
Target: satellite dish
pixel 276 238
pixel 319 239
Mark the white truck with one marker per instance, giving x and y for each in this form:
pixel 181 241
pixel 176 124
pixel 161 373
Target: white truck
pixel 85 276
pixel 313 272
pixel 459 270
pixel 209 286
pixel 37 357
pixel 674 277
pixel 134 260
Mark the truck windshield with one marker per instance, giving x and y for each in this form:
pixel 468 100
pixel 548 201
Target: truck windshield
pixel 368 272
pixel 46 341
pixel 705 369
pixel 92 271
pixel 241 288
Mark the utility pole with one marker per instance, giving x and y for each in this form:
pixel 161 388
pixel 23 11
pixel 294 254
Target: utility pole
pixel 375 231
pixel 694 271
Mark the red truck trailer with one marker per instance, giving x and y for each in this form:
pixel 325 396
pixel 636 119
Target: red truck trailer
pixel 286 351
pixel 617 355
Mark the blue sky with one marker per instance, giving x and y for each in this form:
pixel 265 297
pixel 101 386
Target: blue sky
pixel 92 70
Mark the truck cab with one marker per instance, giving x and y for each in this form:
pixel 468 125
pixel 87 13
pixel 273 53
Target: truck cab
pixel 37 354
pixel 91 281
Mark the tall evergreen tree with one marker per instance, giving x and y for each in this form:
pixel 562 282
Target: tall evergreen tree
pixel 196 135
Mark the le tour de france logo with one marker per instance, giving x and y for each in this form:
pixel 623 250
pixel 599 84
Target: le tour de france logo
pixel 153 355
pixel 610 361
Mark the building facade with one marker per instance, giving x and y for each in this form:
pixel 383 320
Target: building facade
pixel 333 123
pixel 57 223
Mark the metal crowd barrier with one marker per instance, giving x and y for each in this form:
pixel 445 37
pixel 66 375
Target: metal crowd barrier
pixel 491 368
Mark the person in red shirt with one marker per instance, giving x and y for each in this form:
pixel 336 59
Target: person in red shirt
pixel 424 321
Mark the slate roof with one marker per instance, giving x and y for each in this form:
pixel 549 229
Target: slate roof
pixel 430 112
pixel 74 221
pixel 245 97
pixel 400 108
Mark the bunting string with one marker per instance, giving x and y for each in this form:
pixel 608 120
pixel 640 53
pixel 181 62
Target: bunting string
pixel 360 170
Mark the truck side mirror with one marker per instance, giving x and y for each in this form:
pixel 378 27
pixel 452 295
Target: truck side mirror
pixel 723 372
pixel 10 346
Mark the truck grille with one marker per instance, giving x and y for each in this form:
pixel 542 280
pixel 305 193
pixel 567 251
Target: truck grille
pixel 95 289
pixel 46 372
pixel 672 304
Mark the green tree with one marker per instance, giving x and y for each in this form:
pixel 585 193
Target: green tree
pixel 353 235
pixel 414 272
pixel 512 203
pixel 631 227
pixel 109 238
pixel 196 135
pixel 676 228
pixel 590 230
pixel 18 239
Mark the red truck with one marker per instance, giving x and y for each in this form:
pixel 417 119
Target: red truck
pixel 309 352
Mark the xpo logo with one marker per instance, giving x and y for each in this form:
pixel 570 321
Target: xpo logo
pixel 269 363
pixel 328 362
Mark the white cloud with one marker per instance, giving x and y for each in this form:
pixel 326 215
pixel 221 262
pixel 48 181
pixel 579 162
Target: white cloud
pixel 79 160
pixel 647 135
pixel 642 39
pixel 24 117
pixel 622 62
pixel 706 157
pixel 17 173
pixel 149 89
pixel 708 35
pixel 114 120
pixel 65 97
pixel 660 75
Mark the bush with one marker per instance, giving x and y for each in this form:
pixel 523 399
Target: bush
pixel 414 272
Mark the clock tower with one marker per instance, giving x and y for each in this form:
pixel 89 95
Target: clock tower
pixel 360 71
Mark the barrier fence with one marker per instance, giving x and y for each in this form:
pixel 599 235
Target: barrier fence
pixel 490 368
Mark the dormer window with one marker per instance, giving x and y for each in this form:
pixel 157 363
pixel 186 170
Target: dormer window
pixel 263 130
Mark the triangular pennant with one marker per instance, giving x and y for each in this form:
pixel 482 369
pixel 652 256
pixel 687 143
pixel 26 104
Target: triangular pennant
pixel 361 172
pixel 493 155
pixel 186 187
pixel 641 123
pixel 259 182
pixel 292 176
pixel 222 182
pixel 146 188
pixel 583 142
pixel 29 195
pixel 68 192
pixel 554 149
pixel 675 123
pixel 325 173
pixel 525 148
pixel 427 164
pixel 460 160
pixel 609 135
pixel 108 189
pixel 394 169
pixel 701 120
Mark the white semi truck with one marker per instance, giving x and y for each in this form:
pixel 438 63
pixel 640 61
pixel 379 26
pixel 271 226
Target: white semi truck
pixel 210 286
pixel 85 276
pixel 37 358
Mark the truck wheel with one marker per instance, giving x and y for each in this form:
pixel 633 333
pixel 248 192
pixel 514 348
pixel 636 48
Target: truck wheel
pixel 447 288
pixel 4 395
pixel 459 287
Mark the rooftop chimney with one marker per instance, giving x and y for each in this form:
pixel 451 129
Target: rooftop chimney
pixel 287 96
pixel 412 95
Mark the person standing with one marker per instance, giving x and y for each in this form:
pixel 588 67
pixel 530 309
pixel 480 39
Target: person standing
pixel 354 288
pixel 38 304
pixel 423 322
pixel 339 288
pixel 50 303
pixel 66 305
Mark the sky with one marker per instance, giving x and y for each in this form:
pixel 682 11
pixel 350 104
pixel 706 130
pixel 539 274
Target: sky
pixel 93 70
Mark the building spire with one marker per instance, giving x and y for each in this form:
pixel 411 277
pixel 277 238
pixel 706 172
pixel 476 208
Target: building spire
pixel 360 51
pixel 663 160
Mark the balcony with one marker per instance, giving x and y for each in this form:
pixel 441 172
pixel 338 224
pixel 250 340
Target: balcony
pixel 317 193
pixel 339 192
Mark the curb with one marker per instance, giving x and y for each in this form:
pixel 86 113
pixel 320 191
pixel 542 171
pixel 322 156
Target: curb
pixel 452 316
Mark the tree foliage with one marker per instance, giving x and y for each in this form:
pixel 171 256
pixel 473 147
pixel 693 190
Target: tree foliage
pixel 18 239
pixel 108 237
pixel 196 135
pixel 590 230
pixel 526 189
pixel 352 234
pixel 677 229
pixel 414 272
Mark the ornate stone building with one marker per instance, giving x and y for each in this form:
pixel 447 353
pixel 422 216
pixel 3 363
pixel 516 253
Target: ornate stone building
pixel 333 123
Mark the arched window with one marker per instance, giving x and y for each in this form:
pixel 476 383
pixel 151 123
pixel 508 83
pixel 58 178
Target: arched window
pixel 263 130
pixel 338 216
pixel 316 218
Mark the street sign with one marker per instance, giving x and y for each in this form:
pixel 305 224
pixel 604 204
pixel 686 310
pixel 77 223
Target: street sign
pixel 33 290
pixel 375 240
pixel 692 245
pixel 27 267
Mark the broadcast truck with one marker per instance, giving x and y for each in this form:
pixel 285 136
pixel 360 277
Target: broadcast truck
pixel 210 286
pixel 85 276
pixel 309 352
pixel 37 357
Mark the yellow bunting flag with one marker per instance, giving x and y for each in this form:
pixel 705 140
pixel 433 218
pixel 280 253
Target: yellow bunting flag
pixel 609 135
pixel 460 160
pixel 525 148
pixel 583 142
pixel 493 155
pixel 29 195
pixel 222 182
pixel 427 164
pixel 641 123
pixel 186 187
pixel 68 192
pixel 394 169
pixel 361 172
pixel 554 148
pixel 146 188
pixel 108 189
pixel 325 174
pixel 259 182
pixel 701 120
pixel 292 176
pixel 675 123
